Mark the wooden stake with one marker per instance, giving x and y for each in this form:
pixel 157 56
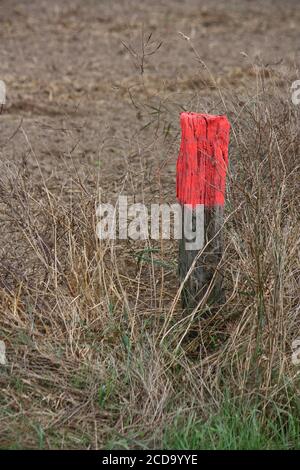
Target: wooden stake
pixel 201 178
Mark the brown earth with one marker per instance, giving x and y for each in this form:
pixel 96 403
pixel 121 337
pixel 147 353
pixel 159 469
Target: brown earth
pixel 71 80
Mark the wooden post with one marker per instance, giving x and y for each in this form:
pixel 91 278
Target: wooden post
pixel 201 177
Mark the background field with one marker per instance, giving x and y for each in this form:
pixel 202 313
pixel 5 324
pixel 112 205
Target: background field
pixel 99 352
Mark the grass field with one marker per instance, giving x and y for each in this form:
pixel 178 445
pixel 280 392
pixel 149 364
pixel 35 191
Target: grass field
pixel 99 352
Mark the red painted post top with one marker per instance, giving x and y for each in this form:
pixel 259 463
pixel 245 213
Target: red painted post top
pixel 203 159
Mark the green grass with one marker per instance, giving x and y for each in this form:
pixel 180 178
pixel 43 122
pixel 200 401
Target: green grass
pixel 234 427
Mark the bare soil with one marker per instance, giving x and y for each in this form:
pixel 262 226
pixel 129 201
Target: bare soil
pixel 70 80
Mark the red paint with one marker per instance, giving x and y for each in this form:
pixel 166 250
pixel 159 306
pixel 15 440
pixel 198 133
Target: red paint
pixel 203 159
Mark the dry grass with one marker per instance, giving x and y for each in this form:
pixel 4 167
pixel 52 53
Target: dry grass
pixel 97 345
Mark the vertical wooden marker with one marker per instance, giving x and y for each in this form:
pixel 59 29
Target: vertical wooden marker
pixel 201 178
